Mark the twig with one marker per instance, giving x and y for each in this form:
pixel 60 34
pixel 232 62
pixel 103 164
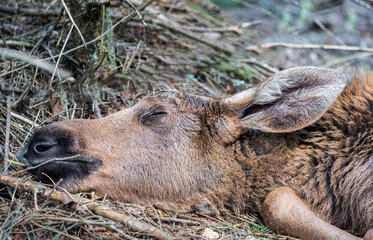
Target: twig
pixel 7 135
pixel 260 64
pixel 56 231
pixel 60 55
pixel 131 222
pixel 55 185
pixel 162 21
pixel 70 158
pixel 29 11
pixel 177 220
pixel 127 64
pixel 73 22
pixel 12 54
pixel 26 120
pixel 16 43
pixel 327 31
pixel 36 201
pixel 236 29
pixel 15 162
pixel 101 61
pixel 96 109
pixel 134 9
pixel 309 46
pixel 257 8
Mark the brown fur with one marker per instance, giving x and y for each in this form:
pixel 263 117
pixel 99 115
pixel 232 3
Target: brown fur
pixel 201 157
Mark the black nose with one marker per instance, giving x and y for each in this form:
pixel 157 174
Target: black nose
pixel 42 148
pixel 39 150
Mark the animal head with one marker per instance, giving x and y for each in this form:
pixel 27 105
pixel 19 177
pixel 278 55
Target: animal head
pixel 173 149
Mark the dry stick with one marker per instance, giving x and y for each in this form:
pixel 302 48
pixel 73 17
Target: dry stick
pixel 73 22
pixel 135 9
pixel 59 58
pixel 7 135
pixel 178 29
pixel 70 158
pixel 310 46
pixel 236 28
pixel 16 43
pixel 26 120
pixel 12 54
pixel 131 222
pixel 260 64
pixel 96 109
pixel 177 220
pixel 29 11
pixel 67 159
pixel 327 31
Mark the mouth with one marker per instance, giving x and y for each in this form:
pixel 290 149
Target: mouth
pixel 67 170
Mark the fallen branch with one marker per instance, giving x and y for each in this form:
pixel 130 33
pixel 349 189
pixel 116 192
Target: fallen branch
pixel 13 54
pixel 24 119
pixel 7 135
pixel 235 29
pixel 257 48
pixel 29 11
pixel 129 221
pixel 16 43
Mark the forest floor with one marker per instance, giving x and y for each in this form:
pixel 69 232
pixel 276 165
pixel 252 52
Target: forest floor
pixel 212 48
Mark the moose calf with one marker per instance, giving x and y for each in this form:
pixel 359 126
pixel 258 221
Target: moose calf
pixel 297 149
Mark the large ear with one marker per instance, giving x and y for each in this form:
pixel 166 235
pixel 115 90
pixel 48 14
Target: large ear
pixel 289 100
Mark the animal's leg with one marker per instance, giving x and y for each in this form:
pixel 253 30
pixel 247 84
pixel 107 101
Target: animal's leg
pixel 285 212
pixel 369 235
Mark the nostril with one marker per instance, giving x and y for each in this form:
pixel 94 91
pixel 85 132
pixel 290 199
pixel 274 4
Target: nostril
pixel 41 148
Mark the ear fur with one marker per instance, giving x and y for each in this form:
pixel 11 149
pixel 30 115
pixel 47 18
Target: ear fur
pixel 290 100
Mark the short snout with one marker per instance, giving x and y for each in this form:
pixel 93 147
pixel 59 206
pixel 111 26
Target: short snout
pixel 52 141
pixel 57 152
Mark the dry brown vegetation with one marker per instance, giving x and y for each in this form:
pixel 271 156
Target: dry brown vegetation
pixel 186 45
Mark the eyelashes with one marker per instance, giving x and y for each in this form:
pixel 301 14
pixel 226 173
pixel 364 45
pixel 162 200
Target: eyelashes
pixel 147 118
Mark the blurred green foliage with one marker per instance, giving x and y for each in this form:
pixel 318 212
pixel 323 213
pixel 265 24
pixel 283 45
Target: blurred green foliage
pixel 306 7
pixel 227 4
pixel 236 70
pixel 352 19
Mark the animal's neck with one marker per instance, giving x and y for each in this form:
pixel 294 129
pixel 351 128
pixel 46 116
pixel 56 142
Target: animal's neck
pixel 306 157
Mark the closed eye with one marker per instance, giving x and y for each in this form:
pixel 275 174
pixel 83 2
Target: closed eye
pixel 146 118
pixel 158 112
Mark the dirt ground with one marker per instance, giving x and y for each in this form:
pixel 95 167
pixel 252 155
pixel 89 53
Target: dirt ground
pixel 335 22
pixel 212 48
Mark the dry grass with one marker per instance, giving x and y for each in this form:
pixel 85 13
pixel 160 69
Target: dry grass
pixel 156 57
pixel 186 45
